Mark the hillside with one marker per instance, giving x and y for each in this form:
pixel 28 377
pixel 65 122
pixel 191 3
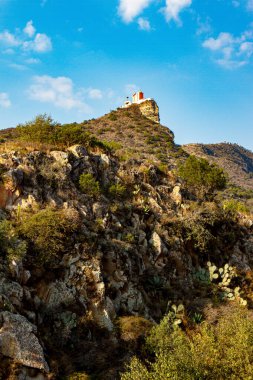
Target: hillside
pixel 101 236
pixel 234 159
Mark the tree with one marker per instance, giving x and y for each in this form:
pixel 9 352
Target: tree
pixel 41 129
pixel 202 176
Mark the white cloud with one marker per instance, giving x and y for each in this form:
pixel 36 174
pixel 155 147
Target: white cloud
pixel 4 100
pixel 29 29
pixel 95 93
pixel 41 44
pixel 129 9
pixel 229 51
pixel 144 24
pixel 223 40
pixel 26 40
pixel 8 39
pixel 174 7
pixel 58 91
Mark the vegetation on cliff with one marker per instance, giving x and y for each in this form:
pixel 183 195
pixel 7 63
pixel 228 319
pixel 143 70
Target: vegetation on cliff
pixel 106 227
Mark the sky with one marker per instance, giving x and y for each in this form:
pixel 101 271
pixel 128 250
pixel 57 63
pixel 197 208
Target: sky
pixel 77 60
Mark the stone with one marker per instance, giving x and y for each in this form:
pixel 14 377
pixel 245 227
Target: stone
pixel 19 342
pixel 56 294
pixel 78 151
pixel 104 160
pixel 176 195
pixel 150 109
pixel 156 242
pixel 59 156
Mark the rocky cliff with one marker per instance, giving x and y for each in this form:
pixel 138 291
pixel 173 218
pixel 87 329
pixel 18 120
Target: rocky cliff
pixel 150 109
pixel 77 257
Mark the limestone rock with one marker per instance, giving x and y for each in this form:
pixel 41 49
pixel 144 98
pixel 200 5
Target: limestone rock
pixel 176 195
pixel 19 342
pixel 150 109
pixel 78 151
pixel 59 156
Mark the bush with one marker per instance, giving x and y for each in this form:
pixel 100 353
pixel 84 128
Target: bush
pixel 132 328
pixel 202 176
pixel 42 129
pixel 49 232
pixel 89 185
pixel 212 352
pixel 78 376
pixel 233 206
pixel 11 246
pixel 117 190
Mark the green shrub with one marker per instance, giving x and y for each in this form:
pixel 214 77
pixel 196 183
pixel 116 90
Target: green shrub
pixel 44 130
pixel 78 376
pixel 113 116
pixel 11 246
pixel 111 146
pixel 204 177
pixel 212 352
pixel 233 206
pixel 89 185
pixel 41 129
pixel 49 232
pixel 117 190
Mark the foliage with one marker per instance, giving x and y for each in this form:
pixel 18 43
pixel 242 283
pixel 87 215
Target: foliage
pixel 78 376
pixel 44 130
pixel 212 352
pixel 41 129
pixel 233 206
pixel 111 146
pixel 202 176
pixel 70 134
pixel 175 314
pixel 49 232
pixel 133 327
pixel 221 280
pixel 117 190
pixel 89 185
pixel 11 246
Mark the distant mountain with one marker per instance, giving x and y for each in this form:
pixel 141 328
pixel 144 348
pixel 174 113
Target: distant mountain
pixel 234 159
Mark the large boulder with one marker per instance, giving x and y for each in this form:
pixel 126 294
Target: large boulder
pixel 19 342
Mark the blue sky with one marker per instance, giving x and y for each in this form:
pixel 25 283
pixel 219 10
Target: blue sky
pixel 78 59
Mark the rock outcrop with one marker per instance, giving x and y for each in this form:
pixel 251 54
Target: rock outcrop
pixel 150 109
pixel 19 342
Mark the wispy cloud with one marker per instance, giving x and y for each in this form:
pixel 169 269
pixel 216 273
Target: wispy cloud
pixel 229 51
pixel 174 7
pixel 58 91
pixel 144 24
pixel 27 40
pixel 4 100
pixel 94 93
pixel 129 9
